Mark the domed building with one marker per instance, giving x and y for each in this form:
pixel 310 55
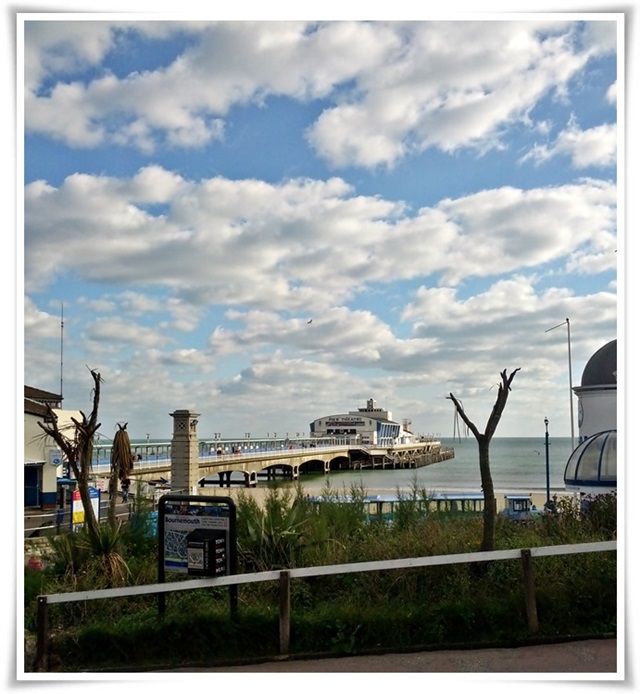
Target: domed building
pixel 592 466
pixel 597 393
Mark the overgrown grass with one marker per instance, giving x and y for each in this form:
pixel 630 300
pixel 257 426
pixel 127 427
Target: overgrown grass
pixel 401 609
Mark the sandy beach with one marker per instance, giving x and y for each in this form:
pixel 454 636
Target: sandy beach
pixel 260 492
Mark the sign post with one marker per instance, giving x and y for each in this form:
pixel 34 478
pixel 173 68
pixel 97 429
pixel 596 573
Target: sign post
pixel 197 537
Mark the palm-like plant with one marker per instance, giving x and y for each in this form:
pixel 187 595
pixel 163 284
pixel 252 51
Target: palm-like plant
pixel 271 537
pixel 121 466
pixel 105 548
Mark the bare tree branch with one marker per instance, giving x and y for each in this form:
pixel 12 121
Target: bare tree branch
pixel 79 449
pixel 461 412
pixel 484 439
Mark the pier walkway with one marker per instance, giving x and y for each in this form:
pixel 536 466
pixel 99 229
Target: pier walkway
pixel 247 467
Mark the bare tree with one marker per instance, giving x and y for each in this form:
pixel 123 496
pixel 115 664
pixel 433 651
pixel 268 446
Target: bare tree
pixel 484 440
pixel 77 446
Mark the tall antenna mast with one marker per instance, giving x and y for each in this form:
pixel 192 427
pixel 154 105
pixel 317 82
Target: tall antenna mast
pixel 61 344
pixel 570 377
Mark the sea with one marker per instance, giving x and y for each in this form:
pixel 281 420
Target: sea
pixel 517 465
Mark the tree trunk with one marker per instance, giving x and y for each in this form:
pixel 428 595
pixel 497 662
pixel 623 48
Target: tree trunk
pixel 484 439
pixel 79 450
pixel 81 473
pixel 490 510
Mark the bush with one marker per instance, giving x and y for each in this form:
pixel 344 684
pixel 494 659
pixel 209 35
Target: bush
pixel 408 608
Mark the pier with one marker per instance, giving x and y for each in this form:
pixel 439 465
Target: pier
pixel 251 461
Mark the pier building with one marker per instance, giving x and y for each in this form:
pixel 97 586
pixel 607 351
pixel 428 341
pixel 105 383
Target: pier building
pixel 367 426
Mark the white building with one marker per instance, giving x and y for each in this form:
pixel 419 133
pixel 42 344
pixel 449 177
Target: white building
pixel 369 426
pixel 42 459
pixel 592 466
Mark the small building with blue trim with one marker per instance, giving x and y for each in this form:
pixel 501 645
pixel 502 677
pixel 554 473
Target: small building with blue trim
pixel 43 464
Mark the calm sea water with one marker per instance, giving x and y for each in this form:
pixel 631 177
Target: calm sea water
pixel 517 465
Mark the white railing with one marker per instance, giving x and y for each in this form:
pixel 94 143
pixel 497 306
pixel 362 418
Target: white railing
pixel 284 577
pixel 158 462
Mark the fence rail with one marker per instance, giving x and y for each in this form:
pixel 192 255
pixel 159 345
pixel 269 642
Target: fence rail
pixel 284 578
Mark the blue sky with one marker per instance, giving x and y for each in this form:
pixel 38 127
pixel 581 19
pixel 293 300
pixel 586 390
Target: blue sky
pixel 432 195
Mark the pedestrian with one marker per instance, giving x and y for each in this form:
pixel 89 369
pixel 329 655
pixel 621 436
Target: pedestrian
pixel 125 489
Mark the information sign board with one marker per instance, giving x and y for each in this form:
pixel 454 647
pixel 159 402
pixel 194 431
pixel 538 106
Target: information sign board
pixel 78 510
pixel 197 536
pixel 179 523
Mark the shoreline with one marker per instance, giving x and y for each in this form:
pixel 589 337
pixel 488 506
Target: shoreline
pixel 259 493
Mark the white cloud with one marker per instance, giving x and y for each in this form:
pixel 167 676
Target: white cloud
pixel 391 88
pixel 194 290
pixel 300 245
pixel 39 324
pixel 59 48
pixel 593 147
pixel 455 85
pixel 115 331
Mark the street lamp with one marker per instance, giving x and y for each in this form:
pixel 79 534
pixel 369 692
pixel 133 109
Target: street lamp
pixel 546 454
pixel 570 377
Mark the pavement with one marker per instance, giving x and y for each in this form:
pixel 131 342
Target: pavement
pixel 586 657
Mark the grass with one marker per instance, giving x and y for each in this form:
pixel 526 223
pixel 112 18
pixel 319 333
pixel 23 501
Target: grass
pixel 401 609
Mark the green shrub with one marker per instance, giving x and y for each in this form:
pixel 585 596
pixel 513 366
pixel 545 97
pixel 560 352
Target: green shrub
pixel 400 609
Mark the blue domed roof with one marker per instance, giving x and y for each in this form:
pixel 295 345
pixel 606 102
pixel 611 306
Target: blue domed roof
pixel 601 369
pixel 594 462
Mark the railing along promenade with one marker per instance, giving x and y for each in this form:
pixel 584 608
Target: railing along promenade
pixel 284 578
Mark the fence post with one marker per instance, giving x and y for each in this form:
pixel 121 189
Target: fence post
pixel 529 591
pixel 42 641
pixel 285 611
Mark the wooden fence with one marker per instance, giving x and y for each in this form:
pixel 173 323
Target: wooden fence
pixel 526 557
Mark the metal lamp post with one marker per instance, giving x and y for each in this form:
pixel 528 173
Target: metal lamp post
pixel 546 453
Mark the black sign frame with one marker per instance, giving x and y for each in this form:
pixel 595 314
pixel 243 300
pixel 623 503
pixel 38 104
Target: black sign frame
pixel 232 545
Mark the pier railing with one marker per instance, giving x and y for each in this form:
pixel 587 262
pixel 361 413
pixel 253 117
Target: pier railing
pixel 284 578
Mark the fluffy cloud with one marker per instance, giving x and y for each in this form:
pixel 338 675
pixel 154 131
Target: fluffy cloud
pixel 593 147
pixel 302 244
pixel 390 88
pixel 224 267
